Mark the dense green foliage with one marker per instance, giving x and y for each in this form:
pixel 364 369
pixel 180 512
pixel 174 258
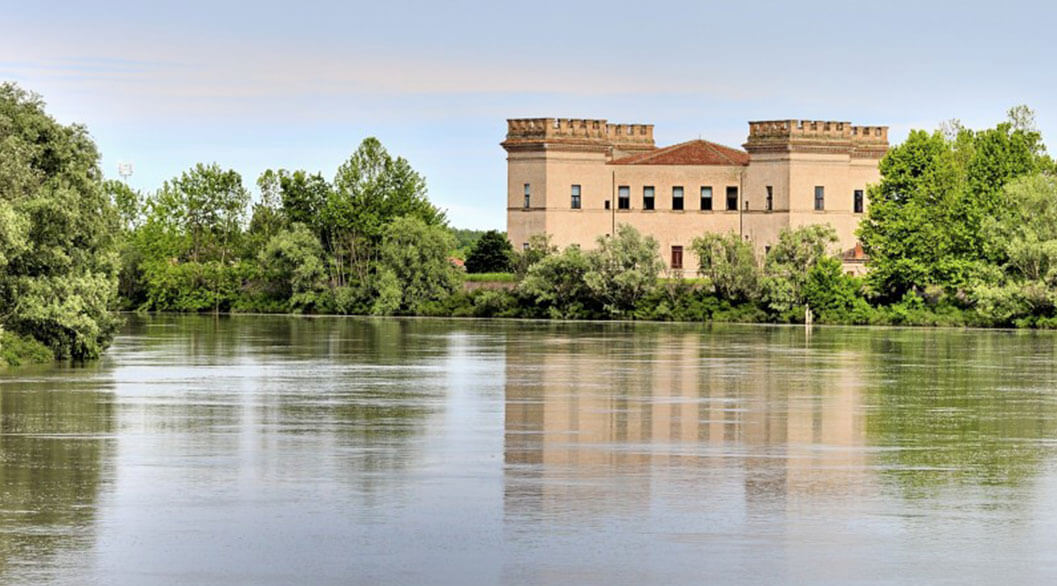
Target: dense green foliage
pixel 464 241
pixel 368 242
pixel 491 253
pixel 58 229
pixel 16 350
pixel 926 217
pixel 961 230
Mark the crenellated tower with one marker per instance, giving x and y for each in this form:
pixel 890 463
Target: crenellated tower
pixel 549 158
pixel 804 172
pixel 578 135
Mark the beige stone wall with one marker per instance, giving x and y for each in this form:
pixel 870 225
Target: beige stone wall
pixel 672 227
pixel 600 183
pixel 794 177
pixel 837 156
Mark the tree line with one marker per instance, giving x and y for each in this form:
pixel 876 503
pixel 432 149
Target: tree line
pixel 961 230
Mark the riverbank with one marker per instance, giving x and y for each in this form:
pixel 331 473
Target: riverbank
pixel 692 306
pixel 17 350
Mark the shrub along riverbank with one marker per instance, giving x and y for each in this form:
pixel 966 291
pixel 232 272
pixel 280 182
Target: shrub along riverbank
pixel 961 230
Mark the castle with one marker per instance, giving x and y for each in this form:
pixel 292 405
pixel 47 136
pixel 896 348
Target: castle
pixel 578 179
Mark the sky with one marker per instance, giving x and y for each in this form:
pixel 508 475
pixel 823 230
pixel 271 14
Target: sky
pixel 298 85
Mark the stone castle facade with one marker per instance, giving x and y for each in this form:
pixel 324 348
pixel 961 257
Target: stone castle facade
pixel 578 179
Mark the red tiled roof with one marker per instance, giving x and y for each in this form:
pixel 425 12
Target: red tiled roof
pixel 694 152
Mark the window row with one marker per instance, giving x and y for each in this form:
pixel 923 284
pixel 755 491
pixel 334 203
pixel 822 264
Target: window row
pixel 649 198
pixel 857 202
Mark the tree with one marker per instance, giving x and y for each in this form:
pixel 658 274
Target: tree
pixel 1024 238
pixel 557 283
pixel 206 205
pixel 490 254
pixel 292 259
pixel 266 218
pixel 190 240
pixel 413 268
pixel 729 265
pixel 58 259
pixel 127 202
pixel 129 205
pixel 623 269
pixel 1026 234
pixel 372 189
pixel 924 225
pixel 539 248
pixel 790 261
pixel 833 295
pixel 304 197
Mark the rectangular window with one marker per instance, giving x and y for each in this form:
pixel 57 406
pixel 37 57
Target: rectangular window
pixel 576 197
pixel 732 198
pixel 770 198
pixel 677 198
pixel 677 257
pixel 648 197
pixel 706 199
pixel 857 204
pixel 623 197
pixel 820 197
pixel 528 196
pixel 524 246
pixel 607 204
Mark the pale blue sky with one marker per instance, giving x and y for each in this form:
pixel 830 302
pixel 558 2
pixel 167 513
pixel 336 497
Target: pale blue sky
pixel 266 84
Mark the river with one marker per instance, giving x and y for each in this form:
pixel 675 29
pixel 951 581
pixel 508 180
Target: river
pixel 277 450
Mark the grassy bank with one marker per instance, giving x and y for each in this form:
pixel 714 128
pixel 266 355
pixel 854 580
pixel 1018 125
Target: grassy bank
pixel 491 278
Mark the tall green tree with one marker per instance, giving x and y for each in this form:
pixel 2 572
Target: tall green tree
pixel 557 283
pixel 58 258
pixel 293 262
pixel 372 189
pixel 924 225
pixel 266 215
pixel 791 260
pixel 492 253
pixel 191 240
pixel 413 268
pixel 623 269
pixel 729 265
pixel 206 206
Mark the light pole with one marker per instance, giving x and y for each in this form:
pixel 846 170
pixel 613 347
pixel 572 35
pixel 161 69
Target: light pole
pixel 125 170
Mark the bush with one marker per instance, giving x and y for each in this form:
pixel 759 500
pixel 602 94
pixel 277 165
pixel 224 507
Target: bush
pixel 16 350
pixel 729 266
pixel 623 269
pixel 557 285
pixel 491 253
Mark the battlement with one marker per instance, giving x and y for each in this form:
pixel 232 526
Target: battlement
pixel 578 130
pixel 817 129
pixel 816 136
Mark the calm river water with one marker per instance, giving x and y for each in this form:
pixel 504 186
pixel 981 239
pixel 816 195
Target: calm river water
pixel 267 450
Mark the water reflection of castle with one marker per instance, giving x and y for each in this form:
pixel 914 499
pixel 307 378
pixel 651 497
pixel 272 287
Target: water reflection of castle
pixel 777 419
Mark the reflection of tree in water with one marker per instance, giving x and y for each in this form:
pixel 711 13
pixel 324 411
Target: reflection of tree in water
pixel 958 407
pixel 367 385
pixel 371 383
pixel 54 451
pixel 962 407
